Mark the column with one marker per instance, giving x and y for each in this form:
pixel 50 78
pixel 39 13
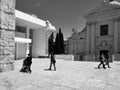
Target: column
pixel 46 50
pixel 87 38
pixel 116 36
pixel 46 37
pixel 27 36
pixel 27 32
pixel 16 51
pixel 92 37
pixel 7 33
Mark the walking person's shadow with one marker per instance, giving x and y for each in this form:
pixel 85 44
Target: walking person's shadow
pixel 48 70
pixel 97 68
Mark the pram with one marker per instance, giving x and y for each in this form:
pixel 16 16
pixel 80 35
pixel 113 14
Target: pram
pixel 25 67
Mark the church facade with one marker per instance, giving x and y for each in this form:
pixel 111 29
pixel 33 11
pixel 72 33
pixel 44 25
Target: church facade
pixel 101 34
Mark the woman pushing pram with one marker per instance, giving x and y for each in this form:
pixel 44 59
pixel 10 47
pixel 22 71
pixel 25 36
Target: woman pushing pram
pixel 27 64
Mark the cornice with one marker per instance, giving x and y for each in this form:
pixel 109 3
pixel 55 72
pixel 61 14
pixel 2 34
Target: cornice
pixel 116 19
pixel 105 14
pixel 91 22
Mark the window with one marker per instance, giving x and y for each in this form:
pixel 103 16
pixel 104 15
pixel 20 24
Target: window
pixel 20 29
pixel 103 30
pixel 81 37
pixel 31 33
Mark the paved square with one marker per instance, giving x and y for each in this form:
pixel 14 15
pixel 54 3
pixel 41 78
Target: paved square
pixel 70 75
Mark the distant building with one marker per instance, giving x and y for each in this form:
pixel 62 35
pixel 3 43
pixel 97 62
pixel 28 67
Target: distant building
pixel 101 34
pixel 76 44
pixel 66 46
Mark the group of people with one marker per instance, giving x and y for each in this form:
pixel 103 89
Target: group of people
pixel 104 60
pixel 26 67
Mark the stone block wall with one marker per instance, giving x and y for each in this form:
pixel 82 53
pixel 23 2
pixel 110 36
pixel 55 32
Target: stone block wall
pixel 65 57
pixel 116 57
pixel 90 57
pixel 7 33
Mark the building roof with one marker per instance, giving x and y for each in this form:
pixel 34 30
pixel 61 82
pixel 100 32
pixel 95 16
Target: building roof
pixel 114 2
pixel 104 6
pixel 33 22
pixel 83 30
pixel 78 33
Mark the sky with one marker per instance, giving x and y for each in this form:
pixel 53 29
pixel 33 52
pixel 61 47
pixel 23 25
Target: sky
pixel 64 14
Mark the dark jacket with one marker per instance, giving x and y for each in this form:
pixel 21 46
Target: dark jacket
pixel 29 60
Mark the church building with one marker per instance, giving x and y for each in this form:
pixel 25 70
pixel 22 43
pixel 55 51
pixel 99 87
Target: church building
pixel 100 35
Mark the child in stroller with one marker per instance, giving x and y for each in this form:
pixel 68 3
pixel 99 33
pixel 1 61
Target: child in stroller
pixel 27 64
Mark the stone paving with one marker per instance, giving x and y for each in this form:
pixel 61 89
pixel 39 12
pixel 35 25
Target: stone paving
pixel 70 75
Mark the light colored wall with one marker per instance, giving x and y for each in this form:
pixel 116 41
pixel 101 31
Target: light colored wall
pixel 77 45
pixel 108 38
pixel 19 34
pixel 103 23
pixel 119 37
pixel 39 43
pixel 65 57
pixel 21 51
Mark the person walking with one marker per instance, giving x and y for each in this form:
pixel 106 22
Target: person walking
pixel 107 60
pixel 52 61
pixel 102 59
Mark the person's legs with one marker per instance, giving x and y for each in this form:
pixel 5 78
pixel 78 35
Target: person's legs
pixel 103 65
pixel 29 68
pixel 54 66
pixel 99 64
pixel 108 63
pixel 50 66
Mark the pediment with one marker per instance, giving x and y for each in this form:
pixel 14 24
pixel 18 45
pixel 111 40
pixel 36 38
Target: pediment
pixel 103 7
pixel 75 36
pixel 79 35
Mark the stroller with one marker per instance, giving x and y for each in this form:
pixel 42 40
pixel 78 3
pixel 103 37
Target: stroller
pixel 25 67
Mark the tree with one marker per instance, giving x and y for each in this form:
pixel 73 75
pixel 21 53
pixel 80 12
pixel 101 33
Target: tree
pixel 51 43
pixel 56 44
pixel 59 43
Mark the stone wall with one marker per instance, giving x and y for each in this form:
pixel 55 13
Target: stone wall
pixel 65 57
pixel 7 28
pixel 90 57
pixel 116 57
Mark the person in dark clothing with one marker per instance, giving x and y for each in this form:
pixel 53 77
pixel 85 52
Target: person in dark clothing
pixel 102 59
pixel 27 64
pixel 24 67
pixel 107 60
pixel 52 61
